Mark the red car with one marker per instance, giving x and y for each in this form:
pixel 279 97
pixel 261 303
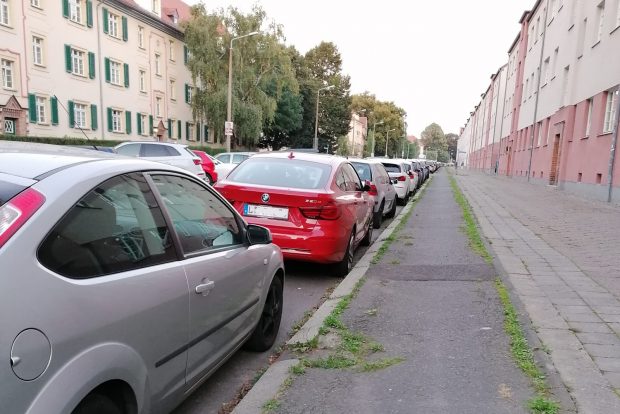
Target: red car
pixel 316 206
pixel 208 166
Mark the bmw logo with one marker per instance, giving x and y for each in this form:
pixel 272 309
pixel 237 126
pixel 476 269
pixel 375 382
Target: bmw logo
pixel 265 198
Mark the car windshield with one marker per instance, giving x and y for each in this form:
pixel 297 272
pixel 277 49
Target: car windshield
pixel 363 170
pixel 392 168
pixel 277 172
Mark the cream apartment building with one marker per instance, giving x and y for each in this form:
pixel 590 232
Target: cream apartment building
pixel 562 91
pixel 356 138
pixel 112 69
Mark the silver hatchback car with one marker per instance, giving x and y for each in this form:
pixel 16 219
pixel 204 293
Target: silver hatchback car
pixel 123 283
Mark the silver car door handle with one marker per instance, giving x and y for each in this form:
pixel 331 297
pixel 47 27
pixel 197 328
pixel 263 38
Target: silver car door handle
pixel 204 287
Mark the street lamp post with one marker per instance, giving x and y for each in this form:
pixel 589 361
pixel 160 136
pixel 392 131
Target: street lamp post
pixel 387 140
pixel 315 145
pixel 230 65
pixel 374 130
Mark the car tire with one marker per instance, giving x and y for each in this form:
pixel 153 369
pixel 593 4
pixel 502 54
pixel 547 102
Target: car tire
pixel 392 211
pixel 95 403
pixel 209 179
pixel 343 267
pixel 367 240
pixel 377 218
pixel 268 325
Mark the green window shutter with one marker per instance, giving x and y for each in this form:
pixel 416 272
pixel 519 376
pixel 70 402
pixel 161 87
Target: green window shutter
pixel 179 124
pixel 106 23
pixel 128 122
pixel 185 54
pixel 89 13
pixel 186 93
pixel 197 128
pixel 110 119
pixel 151 125
pixel 206 132
pixel 187 131
pixel 71 110
pixel 169 128
pixel 93 117
pixel 91 65
pixel 32 107
pixel 65 8
pixel 107 69
pixel 54 104
pixel 139 123
pixel 68 62
pixel 125 32
pixel 126 70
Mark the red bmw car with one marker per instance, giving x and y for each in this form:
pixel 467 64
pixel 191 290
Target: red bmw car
pixel 316 206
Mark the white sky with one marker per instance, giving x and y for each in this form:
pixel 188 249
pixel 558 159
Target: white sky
pixel 433 58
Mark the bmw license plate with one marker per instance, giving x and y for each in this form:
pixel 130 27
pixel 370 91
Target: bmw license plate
pixel 253 210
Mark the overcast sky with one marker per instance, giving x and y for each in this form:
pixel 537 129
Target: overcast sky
pixel 432 58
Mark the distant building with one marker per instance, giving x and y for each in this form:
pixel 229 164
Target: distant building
pixel 356 138
pixel 549 113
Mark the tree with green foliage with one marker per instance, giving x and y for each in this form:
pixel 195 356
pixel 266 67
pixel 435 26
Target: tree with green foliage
pixel 433 138
pixel 452 140
pixel 262 70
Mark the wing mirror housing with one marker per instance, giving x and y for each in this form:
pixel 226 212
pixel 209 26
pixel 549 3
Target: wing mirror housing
pixel 258 234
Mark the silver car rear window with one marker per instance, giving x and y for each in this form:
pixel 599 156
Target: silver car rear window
pixel 282 173
pixel 393 168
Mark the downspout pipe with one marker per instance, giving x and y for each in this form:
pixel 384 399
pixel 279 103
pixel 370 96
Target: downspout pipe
pixel 501 127
pixel 612 151
pixel 540 63
pixel 98 29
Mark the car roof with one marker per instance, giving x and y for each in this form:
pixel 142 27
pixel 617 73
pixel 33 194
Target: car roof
pixel 333 160
pixel 31 160
pixel 233 153
pixel 173 144
pixel 366 160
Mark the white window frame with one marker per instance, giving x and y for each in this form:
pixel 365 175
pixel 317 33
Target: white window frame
pixel 610 111
pixel 80 115
pixel 5 13
pixel 190 94
pixel 117 120
pixel 116 75
pixel 41 109
pixel 156 6
pixel 172 54
pixel 143 127
pixel 36 3
pixel 37 50
pixel 142 80
pixel 172 132
pixel 539 135
pixel 141 37
pixel 113 24
pixel 8 74
pixel 589 117
pixel 157 64
pixel 546 65
pixel 158 106
pixel 600 10
pixel 618 15
pixel 191 132
pixel 173 92
pixel 77 62
pixel 75 11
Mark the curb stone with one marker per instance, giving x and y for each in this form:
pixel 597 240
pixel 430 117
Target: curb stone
pixel 271 382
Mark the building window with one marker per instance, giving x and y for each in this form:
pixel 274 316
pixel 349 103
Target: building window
pixel 117 120
pixel 582 38
pixel 618 15
pixel 79 115
pixel 172 55
pixel 113 25
pixel 173 90
pixel 4 12
pixel 35 3
pixel 142 81
pixel 556 53
pixel 190 132
pixel 158 106
pixel 600 10
pixel 37 50
pixel 141 37
pixel 143 129
pixel 41 106
pixel 75 11
pixel 157 64
pixel 156 7
pixel 77 60
pixel 610 111
pixel 546 71
pixel 589 117
pixel 540 134
pixel 115 73
pixel 7 74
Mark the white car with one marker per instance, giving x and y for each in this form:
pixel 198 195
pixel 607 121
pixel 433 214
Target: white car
pixel 228 162
pixel 177 155
pixel 397 170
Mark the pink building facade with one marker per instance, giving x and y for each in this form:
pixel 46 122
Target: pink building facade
pixel 550 114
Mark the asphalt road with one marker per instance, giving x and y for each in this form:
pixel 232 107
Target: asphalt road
pixel 304 288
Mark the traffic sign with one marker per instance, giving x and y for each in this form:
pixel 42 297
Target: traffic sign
pixel 228 128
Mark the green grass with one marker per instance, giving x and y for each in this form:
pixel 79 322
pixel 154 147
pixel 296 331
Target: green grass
pixel 470 228
pixel 331 362
pixel 271 405
pixel 381 364
pixel 541 405
pixel 298 369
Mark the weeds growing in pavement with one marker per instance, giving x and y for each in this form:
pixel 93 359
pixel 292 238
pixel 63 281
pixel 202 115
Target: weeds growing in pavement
pixel 271 405
pixel 381 364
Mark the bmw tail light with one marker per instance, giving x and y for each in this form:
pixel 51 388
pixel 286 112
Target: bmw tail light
pixel 373 190
pixel 17 211
pixel 326 212
pixel 402 178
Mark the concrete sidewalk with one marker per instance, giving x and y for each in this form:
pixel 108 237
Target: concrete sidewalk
pixel 561 254
pixel 432 303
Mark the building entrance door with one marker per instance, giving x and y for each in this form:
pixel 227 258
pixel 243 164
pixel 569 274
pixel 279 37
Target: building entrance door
pixel 555 161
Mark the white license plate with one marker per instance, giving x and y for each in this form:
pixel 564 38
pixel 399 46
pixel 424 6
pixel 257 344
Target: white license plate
pixel 253 210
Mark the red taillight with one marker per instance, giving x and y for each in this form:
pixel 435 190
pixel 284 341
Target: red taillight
pixel 197 161
pixel 373 190
pixel 17 211
pixel 411 174
pixel 402 178
pixel 326 212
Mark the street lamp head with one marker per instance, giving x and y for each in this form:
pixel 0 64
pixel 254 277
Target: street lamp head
pixel 252 33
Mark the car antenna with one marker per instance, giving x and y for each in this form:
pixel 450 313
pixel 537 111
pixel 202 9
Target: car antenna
pixel 74 125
